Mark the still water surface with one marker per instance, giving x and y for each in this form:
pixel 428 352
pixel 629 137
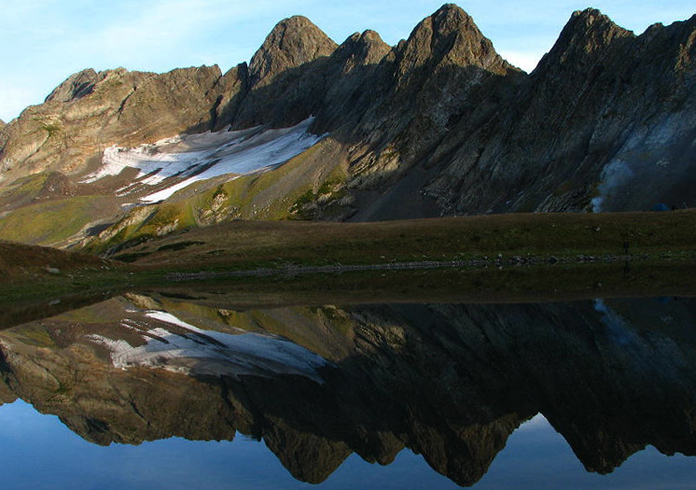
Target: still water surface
pixel 149 391
pixel 535 457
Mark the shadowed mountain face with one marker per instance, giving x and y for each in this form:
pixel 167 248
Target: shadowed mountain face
pixel 594 145
pixel 451 382
pixel 438 125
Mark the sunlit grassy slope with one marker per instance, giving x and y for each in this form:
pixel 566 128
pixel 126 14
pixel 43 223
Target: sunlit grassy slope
pixel 56 221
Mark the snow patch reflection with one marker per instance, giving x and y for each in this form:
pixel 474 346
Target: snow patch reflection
pixel 177 346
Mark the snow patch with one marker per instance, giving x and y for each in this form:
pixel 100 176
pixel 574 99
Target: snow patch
pixel 203 156
pixel 203 352
pixel 112 345
pixel 165 317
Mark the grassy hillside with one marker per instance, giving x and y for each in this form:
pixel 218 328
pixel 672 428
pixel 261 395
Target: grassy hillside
pixel 41 281
pixel 56 221
pixel 514 237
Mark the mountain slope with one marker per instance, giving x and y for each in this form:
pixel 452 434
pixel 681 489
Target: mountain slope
pixel 438 125
pixel 91 111
pixel 605 122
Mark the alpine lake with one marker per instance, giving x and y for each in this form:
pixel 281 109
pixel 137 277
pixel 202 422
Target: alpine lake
pixel 213 386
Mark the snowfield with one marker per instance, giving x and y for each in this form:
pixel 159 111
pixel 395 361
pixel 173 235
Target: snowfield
pixel 177 346
pixel 195 157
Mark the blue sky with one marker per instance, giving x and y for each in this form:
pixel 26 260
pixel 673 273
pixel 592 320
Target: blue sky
pixel 42 42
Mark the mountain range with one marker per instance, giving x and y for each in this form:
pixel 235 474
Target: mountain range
pixel 437 125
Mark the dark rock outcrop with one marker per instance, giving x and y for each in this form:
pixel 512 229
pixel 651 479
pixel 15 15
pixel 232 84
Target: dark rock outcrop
pixel 354 81
pixel 448 37
pixel 232 88
pixel 75 87
pixel 292 43
pixel 177 99
pixel 286 79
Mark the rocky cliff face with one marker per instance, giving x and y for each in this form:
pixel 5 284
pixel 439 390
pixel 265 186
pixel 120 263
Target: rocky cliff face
pixel 285 79
pixel 603 123
pixel 292 43
pixel 91 111
pixel 439 124
pixel 446 71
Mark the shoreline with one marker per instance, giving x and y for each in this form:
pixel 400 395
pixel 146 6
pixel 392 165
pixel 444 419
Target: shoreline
pixel 484 263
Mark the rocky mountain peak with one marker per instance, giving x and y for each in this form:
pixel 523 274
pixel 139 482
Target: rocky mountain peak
pixel 448 37
pixel 292 43
pixel 75 86
pixel 2 124
pixel 586 33
pixel 359 49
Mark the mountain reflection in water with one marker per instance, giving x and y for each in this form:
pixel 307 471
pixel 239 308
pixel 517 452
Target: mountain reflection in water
pixel 317 384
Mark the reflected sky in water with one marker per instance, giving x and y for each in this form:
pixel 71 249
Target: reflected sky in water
pixel 38 452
